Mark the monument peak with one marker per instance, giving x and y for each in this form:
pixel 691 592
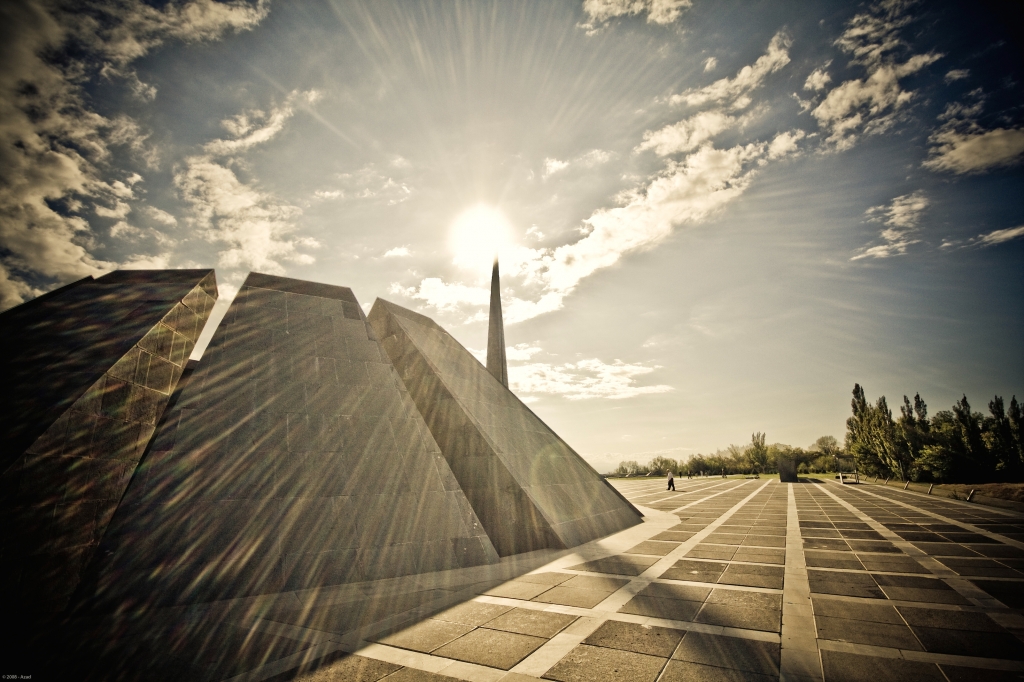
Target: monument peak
pixel 496 363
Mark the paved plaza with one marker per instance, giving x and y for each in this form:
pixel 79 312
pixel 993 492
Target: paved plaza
pixel 725 580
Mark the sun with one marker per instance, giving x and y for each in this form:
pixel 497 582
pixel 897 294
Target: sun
pixel 478 235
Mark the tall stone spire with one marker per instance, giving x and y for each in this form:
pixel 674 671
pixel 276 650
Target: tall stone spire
pixel 496 332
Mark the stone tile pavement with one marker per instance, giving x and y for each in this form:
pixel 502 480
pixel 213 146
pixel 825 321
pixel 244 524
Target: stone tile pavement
pixel 725 580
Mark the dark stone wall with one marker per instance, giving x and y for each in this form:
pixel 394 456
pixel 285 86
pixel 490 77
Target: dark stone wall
pixel 294 458
pixel 529 488
pixel 89 369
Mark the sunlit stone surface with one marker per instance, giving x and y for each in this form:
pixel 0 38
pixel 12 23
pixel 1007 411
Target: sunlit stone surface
pixel 88 370
pixel 530 489
pixel 293 458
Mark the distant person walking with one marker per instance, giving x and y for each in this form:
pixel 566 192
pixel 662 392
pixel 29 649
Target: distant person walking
pixel 671 481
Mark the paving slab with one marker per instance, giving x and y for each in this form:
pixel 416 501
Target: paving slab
pixel 729 652
pixel 598 664
pixel 641 639
pixel 493 648
pixel 841 666
pixel 426 635
pixel 545 624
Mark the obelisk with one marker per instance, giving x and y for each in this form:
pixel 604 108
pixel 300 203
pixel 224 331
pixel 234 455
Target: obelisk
pixel 496 364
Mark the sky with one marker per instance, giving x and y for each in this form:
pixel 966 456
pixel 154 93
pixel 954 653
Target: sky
pixel 712 218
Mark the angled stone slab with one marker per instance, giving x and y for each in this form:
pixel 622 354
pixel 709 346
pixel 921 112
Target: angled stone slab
pixel 88 371
pixel 527 486
pixel 293 459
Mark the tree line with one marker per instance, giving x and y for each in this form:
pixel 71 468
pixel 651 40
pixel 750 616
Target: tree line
pixel 757 457
pixel 958 445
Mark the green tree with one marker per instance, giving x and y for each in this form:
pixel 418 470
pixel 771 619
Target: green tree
pixel 937 460
pixel 628 468
pixel 663 465
pixel 828 446
pixel 921 413
pixel 997 435
pixel 886 440
pixel 913 428
pixel 757 453
pixel 975 464
pixel 1014 416
pixel 858 442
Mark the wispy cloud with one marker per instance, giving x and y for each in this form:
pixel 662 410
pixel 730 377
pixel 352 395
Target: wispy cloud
pixel 819 78
pixel 583 380
pixel 657 11
pixel 443 295
pixel 689 133
pixel 256 226
pixel 690 190
pixel 552 166
pixel 999 236
pixel 54 148
pixel 956 74
pixel 901 218
pixel 869 105
pixel 735 90
pixel 255 127
pixel 992 238
pixel 595 157
pixel 961 145
pixel 397 252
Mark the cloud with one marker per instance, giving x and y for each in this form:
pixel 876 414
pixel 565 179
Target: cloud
pixel 689 133
pixel 595 157
pixel 256 227
pixel 144 92
pixel 784 144
pixel 690 190
pixel 14 291
pixel 1000 236
pixel 901 218
pixel 370 184
pixel 327 195
pixel 709 64
pixel 819 78
pixel 870 105
pixel 552 166
pixel 657 11
pixel 55 149
pixel 583 380
pixel 961 145
pixel 521 352
pixel 247 135
pixel 123 229
pixel 121 32
pixel 444 296
pixel 120 210
pixel 397 252
pixel 143 262
pixel 746 79
pixel 159 216
pixel 974 151
pixel 957 74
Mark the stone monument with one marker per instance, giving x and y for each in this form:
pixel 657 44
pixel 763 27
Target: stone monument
pixel 294 458
pixel 88 370
pixel 496 363
pixel 528 487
